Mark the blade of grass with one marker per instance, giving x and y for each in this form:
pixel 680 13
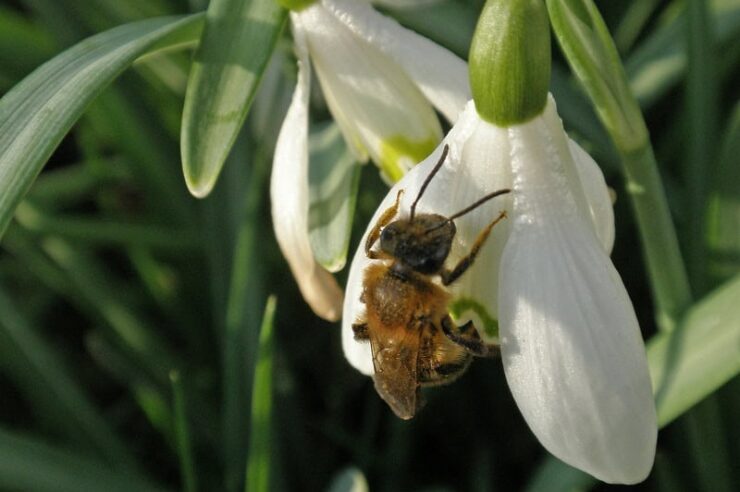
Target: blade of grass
pixel 39 370
pixel 260 440
pixel 27 463
pixel 701 87
pixel 238 39
pixel 80 278
pixel 633 22
pixel 241 328
pixel 658 63
pixel 723 209
pixel 23 46
pixel 106 232
pixel 107 300
pixel 75 183
pixel 182 434
pixel 37 113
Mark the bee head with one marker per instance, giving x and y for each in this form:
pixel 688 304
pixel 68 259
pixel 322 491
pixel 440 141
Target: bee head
pixel 422 243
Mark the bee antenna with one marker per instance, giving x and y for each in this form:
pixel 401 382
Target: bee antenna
pixel 428 180
pixel 478 203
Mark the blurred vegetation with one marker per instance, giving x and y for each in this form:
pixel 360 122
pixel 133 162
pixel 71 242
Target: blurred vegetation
pixel 135 341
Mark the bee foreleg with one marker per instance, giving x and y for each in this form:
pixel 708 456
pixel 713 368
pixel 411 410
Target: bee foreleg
pixel 467 337
pixel 449 276
pixel 360 331
pixel 383 221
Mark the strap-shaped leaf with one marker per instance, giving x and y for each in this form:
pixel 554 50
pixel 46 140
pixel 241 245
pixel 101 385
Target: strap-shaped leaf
pixel 27 463
pixel 38 112
pixel 698 357
pixel 238 39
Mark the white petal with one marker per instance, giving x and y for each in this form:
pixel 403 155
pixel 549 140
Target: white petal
pixel 376 105
pixel 441 75
pixel 571 345
pixel 585 179
pixel 289 196
pixel 470 172
pixel 597 195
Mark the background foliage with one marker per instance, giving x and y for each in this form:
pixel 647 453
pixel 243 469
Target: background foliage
pixel 138 348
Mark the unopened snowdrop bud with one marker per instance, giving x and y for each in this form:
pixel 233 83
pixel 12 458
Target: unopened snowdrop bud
pixel 295 5
pixel 510 61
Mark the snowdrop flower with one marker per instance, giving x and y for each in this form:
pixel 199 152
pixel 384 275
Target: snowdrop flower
pixel 381 83
pixel 543 286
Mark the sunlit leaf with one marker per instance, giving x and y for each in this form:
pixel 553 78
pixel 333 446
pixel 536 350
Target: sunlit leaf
pixel 38 112
pixel 238 39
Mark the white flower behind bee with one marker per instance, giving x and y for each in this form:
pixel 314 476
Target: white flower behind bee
pixel 571 346
pixel 381 83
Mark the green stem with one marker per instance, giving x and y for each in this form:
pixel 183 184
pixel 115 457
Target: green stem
pixel 260 444
pixel 591 53
pixel 668 277
pixel 182 434
pixel 241 324
pixel 700 89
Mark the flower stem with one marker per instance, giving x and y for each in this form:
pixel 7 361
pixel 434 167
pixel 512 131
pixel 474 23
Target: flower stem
pixel 700 89
pixel 666 270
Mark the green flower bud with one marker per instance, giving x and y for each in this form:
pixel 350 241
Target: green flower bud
pixel 296 5
pixel 510 61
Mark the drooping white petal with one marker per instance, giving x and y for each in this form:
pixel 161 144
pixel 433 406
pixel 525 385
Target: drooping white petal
pixel 441 75
pixel 289 196
pixel 376 105
pixel 571 346
pixel 597 195
pixel 469 173
pixel 585 179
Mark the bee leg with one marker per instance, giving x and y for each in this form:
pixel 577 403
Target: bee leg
pixel 360 331
pixel 449 276
pixel 467 337
pixel 383 221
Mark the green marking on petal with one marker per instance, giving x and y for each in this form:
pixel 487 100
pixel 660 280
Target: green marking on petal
pixel 399 147
pixel 296 5
pixel 461 305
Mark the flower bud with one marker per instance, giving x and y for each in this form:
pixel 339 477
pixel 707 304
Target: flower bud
pixel 510 61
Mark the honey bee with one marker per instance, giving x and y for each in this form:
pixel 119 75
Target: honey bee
pixel 413 339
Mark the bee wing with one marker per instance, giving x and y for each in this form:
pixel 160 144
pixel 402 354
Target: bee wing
pixel 395 362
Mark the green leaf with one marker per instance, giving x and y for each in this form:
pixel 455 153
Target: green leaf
pixel 238 39
pixel 555 476
pixel 590 51
pixel 723 210
pixel 260 440
pixel 37 113
pixel 182 434
pixel 38 369
pixel 29 464
pixel 699 356
pixel 660 61
pixel 334 178
pixel 23 46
